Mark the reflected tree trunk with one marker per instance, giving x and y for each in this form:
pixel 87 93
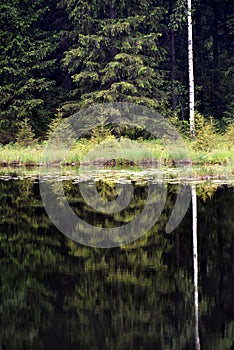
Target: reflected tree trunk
pixel 195 267
pixel 177 249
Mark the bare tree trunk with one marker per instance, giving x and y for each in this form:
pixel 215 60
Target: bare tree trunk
pixel 190 68
pixel 216 62
pixel 172 58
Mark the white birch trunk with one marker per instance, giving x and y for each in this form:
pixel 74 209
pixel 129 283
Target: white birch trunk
pixel 195 267
pixel 190 68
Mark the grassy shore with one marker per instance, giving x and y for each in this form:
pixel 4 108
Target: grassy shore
pixel 123 152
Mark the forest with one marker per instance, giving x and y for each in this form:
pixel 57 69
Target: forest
pixel 57 57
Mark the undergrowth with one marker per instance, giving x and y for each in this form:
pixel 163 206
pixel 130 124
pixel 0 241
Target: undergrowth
pixel 208 147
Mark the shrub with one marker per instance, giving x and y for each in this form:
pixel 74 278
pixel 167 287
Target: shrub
pixel 181 125
pixel 54 123
pixel 229 135
pixel 206 138
pixel 101 132
pixel 25 135
pixel 64 134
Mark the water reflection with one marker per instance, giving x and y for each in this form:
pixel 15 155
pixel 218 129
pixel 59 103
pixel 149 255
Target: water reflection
pixel 195 265
pixel 56 294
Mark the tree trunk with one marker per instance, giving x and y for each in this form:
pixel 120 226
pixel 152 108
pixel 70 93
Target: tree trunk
pixel 216 64
pixel 173 68
pixel 190 70
pixel 195 267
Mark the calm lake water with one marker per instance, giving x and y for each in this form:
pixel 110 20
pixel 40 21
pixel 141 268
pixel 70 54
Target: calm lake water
pixel 58 294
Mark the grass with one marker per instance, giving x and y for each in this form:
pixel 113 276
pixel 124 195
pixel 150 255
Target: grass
pixel 221 153
pixel 17 155
pixel 125 152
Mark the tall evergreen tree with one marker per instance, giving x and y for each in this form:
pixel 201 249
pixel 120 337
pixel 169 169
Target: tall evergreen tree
pixel 117 56
pixel 28 63
pixel 73 53
pixel 176 44
pixel 214 56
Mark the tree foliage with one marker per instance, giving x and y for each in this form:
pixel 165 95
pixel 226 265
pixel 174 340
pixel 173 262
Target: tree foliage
pixel 51 286
pixel 70 54
pixel 25 134
pixel 117 54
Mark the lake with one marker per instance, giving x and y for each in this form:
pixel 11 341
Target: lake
pixel 58 294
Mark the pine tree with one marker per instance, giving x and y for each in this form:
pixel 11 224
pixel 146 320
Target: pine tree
pixel 25 134
pixel 117 55
pixel 54 124
pixel 213 40
pixel 29 47
pixel 59 130
pixel 176 47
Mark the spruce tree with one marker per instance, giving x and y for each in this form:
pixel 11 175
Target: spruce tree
pixel 25 134
pixel 29 48
pixel 213 34
pixel 117 56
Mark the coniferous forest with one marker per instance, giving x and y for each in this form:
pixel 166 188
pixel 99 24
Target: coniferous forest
pixel 65 55
pixel 152 287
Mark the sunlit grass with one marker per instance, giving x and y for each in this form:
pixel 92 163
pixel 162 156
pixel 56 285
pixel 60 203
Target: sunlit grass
pixel 136 151
pixel 221 153
pixel 20 155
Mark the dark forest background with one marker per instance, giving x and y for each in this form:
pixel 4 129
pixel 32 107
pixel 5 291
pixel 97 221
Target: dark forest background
pixel 68 54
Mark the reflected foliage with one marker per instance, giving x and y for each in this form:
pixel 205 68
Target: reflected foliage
pixel 57 294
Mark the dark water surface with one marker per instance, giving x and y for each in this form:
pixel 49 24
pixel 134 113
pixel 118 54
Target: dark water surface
pixel 57 294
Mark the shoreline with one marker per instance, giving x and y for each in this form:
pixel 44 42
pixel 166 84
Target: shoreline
pixel 111 163
pixel 181 172
pixel 86 152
